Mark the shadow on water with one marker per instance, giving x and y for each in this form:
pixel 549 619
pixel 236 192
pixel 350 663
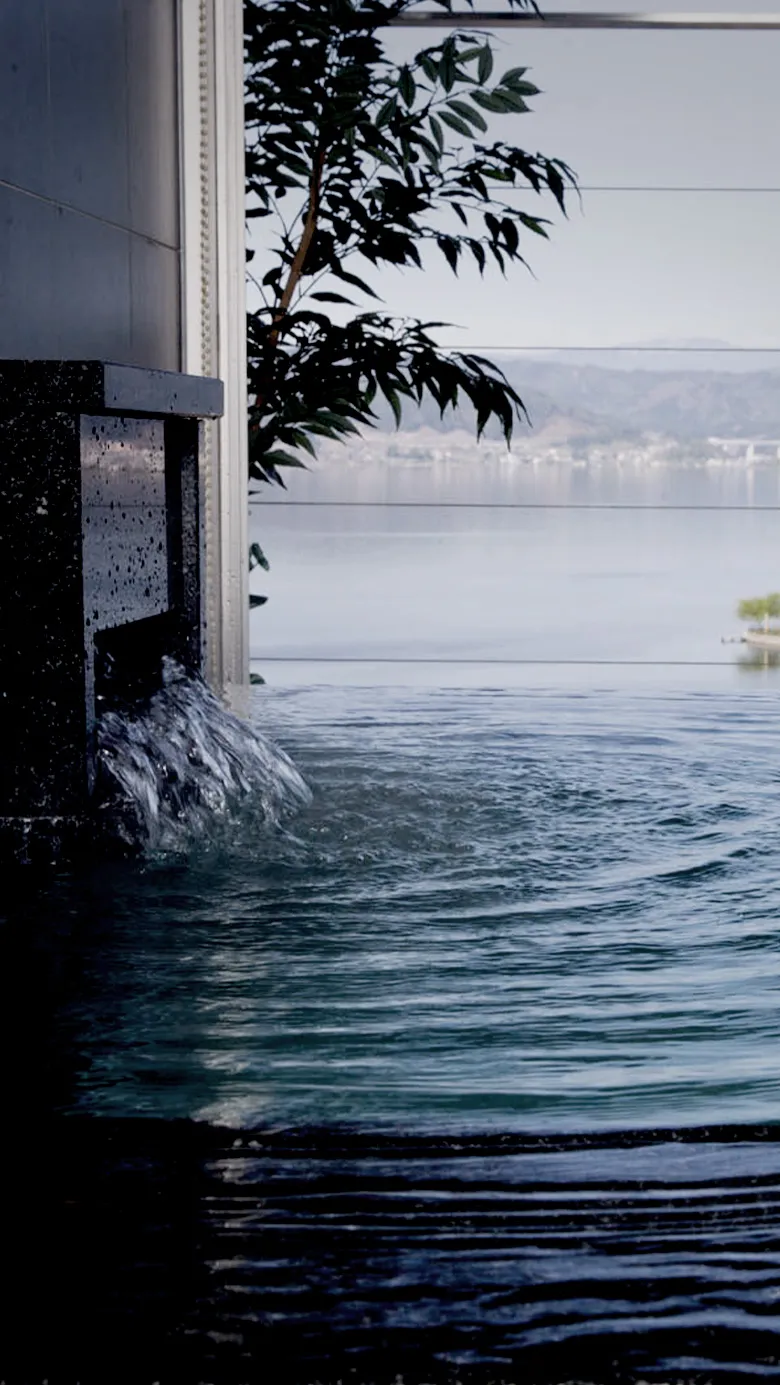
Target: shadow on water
pixel 179 1252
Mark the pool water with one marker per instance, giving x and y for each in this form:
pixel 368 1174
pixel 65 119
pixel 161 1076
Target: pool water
pixel 502 909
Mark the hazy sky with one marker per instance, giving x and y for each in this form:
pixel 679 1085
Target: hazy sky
pixel 647 110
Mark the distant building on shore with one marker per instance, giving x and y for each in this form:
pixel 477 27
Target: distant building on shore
pixel 748 450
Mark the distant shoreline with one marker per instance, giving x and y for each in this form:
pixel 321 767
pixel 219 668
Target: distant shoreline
pixel 428 447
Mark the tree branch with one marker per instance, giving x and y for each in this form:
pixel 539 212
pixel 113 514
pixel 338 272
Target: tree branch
pixel 309 227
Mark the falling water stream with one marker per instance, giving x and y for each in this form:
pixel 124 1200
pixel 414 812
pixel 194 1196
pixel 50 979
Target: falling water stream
pixel 169 774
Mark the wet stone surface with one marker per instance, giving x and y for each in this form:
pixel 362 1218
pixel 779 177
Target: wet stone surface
pixel 123 520
pixel 99 545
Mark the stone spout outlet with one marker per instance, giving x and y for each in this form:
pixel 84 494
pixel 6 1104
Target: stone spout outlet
pixel 100 573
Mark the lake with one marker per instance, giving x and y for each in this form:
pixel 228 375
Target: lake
pixel 407 570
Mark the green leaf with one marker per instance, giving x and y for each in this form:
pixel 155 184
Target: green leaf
pixel 431 149
pixel 450 249
pixel 511 238
pixel 485 63
pixel 298 438
pixel 393 401
pixel 326 297
pixel 279 457
pixel 256 679
pixel 455 123
pixel 494 226
pixel 463 109
pixel 331 430
pixel 524 88
pixel 489 101
pixel 296 165
pixel 430 67
pixel 437 132
pixel 358 283
pixel 386 112
pixel 533 223
pixel 257 558
pixel 467 55
pixel 512 102
pixel 255 601
pixel 406 86
pixel 447 65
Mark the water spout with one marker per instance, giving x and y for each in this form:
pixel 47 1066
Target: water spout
pixel 170 773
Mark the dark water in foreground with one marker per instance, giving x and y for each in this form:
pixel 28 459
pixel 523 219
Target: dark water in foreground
pixel 481 1048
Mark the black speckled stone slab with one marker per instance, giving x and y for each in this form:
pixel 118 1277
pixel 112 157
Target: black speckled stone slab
pixel 100 561
pixel 103 387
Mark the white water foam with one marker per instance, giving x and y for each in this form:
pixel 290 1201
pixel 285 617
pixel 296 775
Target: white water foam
pixel 170 774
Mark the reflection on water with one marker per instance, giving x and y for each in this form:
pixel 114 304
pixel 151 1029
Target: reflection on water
pixel 759 660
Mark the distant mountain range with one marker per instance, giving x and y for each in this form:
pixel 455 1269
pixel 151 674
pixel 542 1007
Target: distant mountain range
pixel 602 403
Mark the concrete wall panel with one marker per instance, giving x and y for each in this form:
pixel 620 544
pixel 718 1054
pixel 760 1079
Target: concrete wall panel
pixel 154 297
pixel 152 120
pixel 88 85
pixel 92 288
pixel 89 181
pixel 24 94
pixel 27 279
pixel 65 283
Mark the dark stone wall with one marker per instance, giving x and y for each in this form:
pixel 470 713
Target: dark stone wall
pixel 89 220
pixel 100 563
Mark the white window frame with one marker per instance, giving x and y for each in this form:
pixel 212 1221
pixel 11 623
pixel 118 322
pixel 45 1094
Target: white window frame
pixel 213 298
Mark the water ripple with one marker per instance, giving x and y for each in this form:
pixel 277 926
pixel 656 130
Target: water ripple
pixel 497 908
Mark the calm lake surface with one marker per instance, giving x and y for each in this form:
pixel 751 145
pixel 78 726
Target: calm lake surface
pixel 396 575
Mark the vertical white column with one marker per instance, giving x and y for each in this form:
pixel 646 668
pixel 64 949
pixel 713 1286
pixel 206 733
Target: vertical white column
pixel 231 338
pixel 214 311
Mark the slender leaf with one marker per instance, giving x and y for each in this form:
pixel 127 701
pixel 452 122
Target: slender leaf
pixel 450 249
pixel 257 558
pixel 462 108
pixel 406 86
pixel 328 297
pixel 490 101
pixel 438 133
pixel 485 63
pixel 455 123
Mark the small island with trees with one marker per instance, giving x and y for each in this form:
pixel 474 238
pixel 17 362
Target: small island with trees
pixel 761 609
